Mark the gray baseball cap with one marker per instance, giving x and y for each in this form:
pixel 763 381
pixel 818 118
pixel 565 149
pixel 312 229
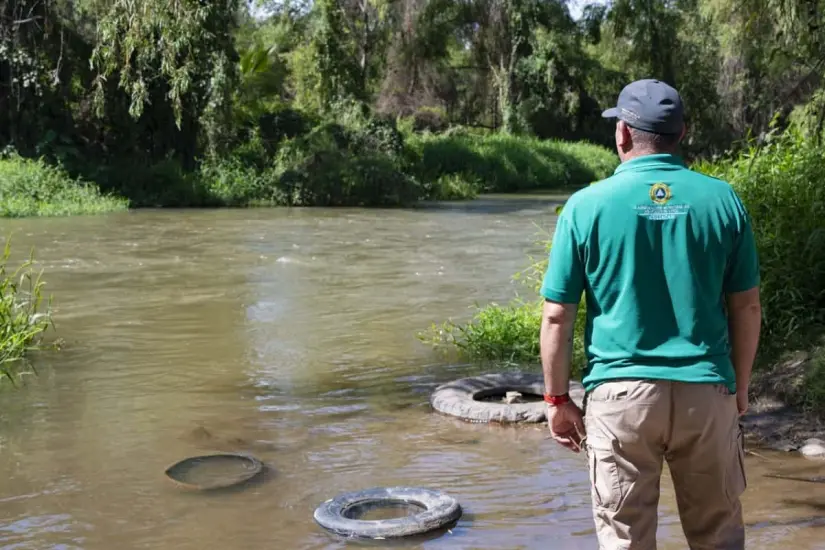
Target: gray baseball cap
pixel 649 105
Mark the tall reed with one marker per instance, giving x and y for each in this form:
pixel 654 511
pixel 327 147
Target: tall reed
pixel 24 314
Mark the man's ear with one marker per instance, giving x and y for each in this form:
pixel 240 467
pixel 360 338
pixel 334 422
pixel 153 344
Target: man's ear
pixel 623 138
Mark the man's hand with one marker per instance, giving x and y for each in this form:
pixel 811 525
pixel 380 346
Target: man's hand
pixel 566 425
pixel 742 401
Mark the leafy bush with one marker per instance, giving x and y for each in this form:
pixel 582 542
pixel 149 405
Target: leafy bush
pixel 452 187
pixel 501 333
pixel 22 323
pixel 233 182
pixel 781 187
pixel 505 163
pixel 356 159
pixel 337 165
pixel 34 188
pixel 163 183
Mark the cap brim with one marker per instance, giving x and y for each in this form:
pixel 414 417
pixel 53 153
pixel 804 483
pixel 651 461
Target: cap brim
pixel 613 112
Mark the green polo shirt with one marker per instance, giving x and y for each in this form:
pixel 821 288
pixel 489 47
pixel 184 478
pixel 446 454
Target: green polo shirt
pixel 655 247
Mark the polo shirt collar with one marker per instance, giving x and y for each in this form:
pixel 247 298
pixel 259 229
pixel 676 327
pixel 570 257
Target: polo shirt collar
pixel 647 162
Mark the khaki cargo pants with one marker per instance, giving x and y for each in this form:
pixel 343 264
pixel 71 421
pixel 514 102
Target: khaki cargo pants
pixel 631 426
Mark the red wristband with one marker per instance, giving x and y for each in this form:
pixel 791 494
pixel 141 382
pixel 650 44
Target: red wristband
pixel 557 399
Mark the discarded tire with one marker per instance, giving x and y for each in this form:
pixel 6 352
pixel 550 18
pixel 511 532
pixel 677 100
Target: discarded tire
pixel 339 515
pixel 232 469
pixel 506 397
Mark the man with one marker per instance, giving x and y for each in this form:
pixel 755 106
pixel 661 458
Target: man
pixel 667 263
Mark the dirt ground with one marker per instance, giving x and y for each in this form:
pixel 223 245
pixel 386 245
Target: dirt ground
pixel 772 421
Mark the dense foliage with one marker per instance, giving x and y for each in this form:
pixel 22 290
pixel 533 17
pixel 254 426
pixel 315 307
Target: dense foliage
pixel 228 102
pixel 780 183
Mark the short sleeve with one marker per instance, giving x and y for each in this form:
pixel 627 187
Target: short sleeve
pixel 743 263
pixel 564 279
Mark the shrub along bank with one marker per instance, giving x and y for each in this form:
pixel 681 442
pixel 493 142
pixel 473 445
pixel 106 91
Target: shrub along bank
pixel 360 160
pixel 500 163
pixel 34 188
pixel 780 184
pixel 288 158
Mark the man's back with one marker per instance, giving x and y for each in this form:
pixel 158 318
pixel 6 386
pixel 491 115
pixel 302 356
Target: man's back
pixel 666 260
pixel 657 246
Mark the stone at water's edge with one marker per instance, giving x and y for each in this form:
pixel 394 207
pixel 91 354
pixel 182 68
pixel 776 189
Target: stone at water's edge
pixel 813 449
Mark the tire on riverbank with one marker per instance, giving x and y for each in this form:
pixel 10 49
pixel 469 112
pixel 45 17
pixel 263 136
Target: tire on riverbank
pixel 480 399
pixel 437 510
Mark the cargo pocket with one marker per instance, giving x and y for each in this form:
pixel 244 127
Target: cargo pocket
pixel 605 483
pixel 736 479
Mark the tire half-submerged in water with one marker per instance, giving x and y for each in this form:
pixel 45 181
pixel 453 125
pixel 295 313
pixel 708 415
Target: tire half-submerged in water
pixel 483 398
pixel 217 471
pixel 339 515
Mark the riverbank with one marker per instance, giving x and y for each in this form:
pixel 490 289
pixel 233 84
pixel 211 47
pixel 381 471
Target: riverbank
pixel 786 409
pixel 359 162
pixel 772 424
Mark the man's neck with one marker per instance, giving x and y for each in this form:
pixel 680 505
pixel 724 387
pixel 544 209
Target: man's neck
pixel 630 155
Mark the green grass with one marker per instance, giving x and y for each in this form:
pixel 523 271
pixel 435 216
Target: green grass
pixel 780 185
pixel 24 317
pixel 505 333
pixel 502 163
pixel 33 188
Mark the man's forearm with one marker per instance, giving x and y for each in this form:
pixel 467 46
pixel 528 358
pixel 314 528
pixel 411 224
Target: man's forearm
pixel 744 327
pixel 557 346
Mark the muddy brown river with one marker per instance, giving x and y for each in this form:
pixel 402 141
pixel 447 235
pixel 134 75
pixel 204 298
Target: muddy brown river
pixel 291 334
